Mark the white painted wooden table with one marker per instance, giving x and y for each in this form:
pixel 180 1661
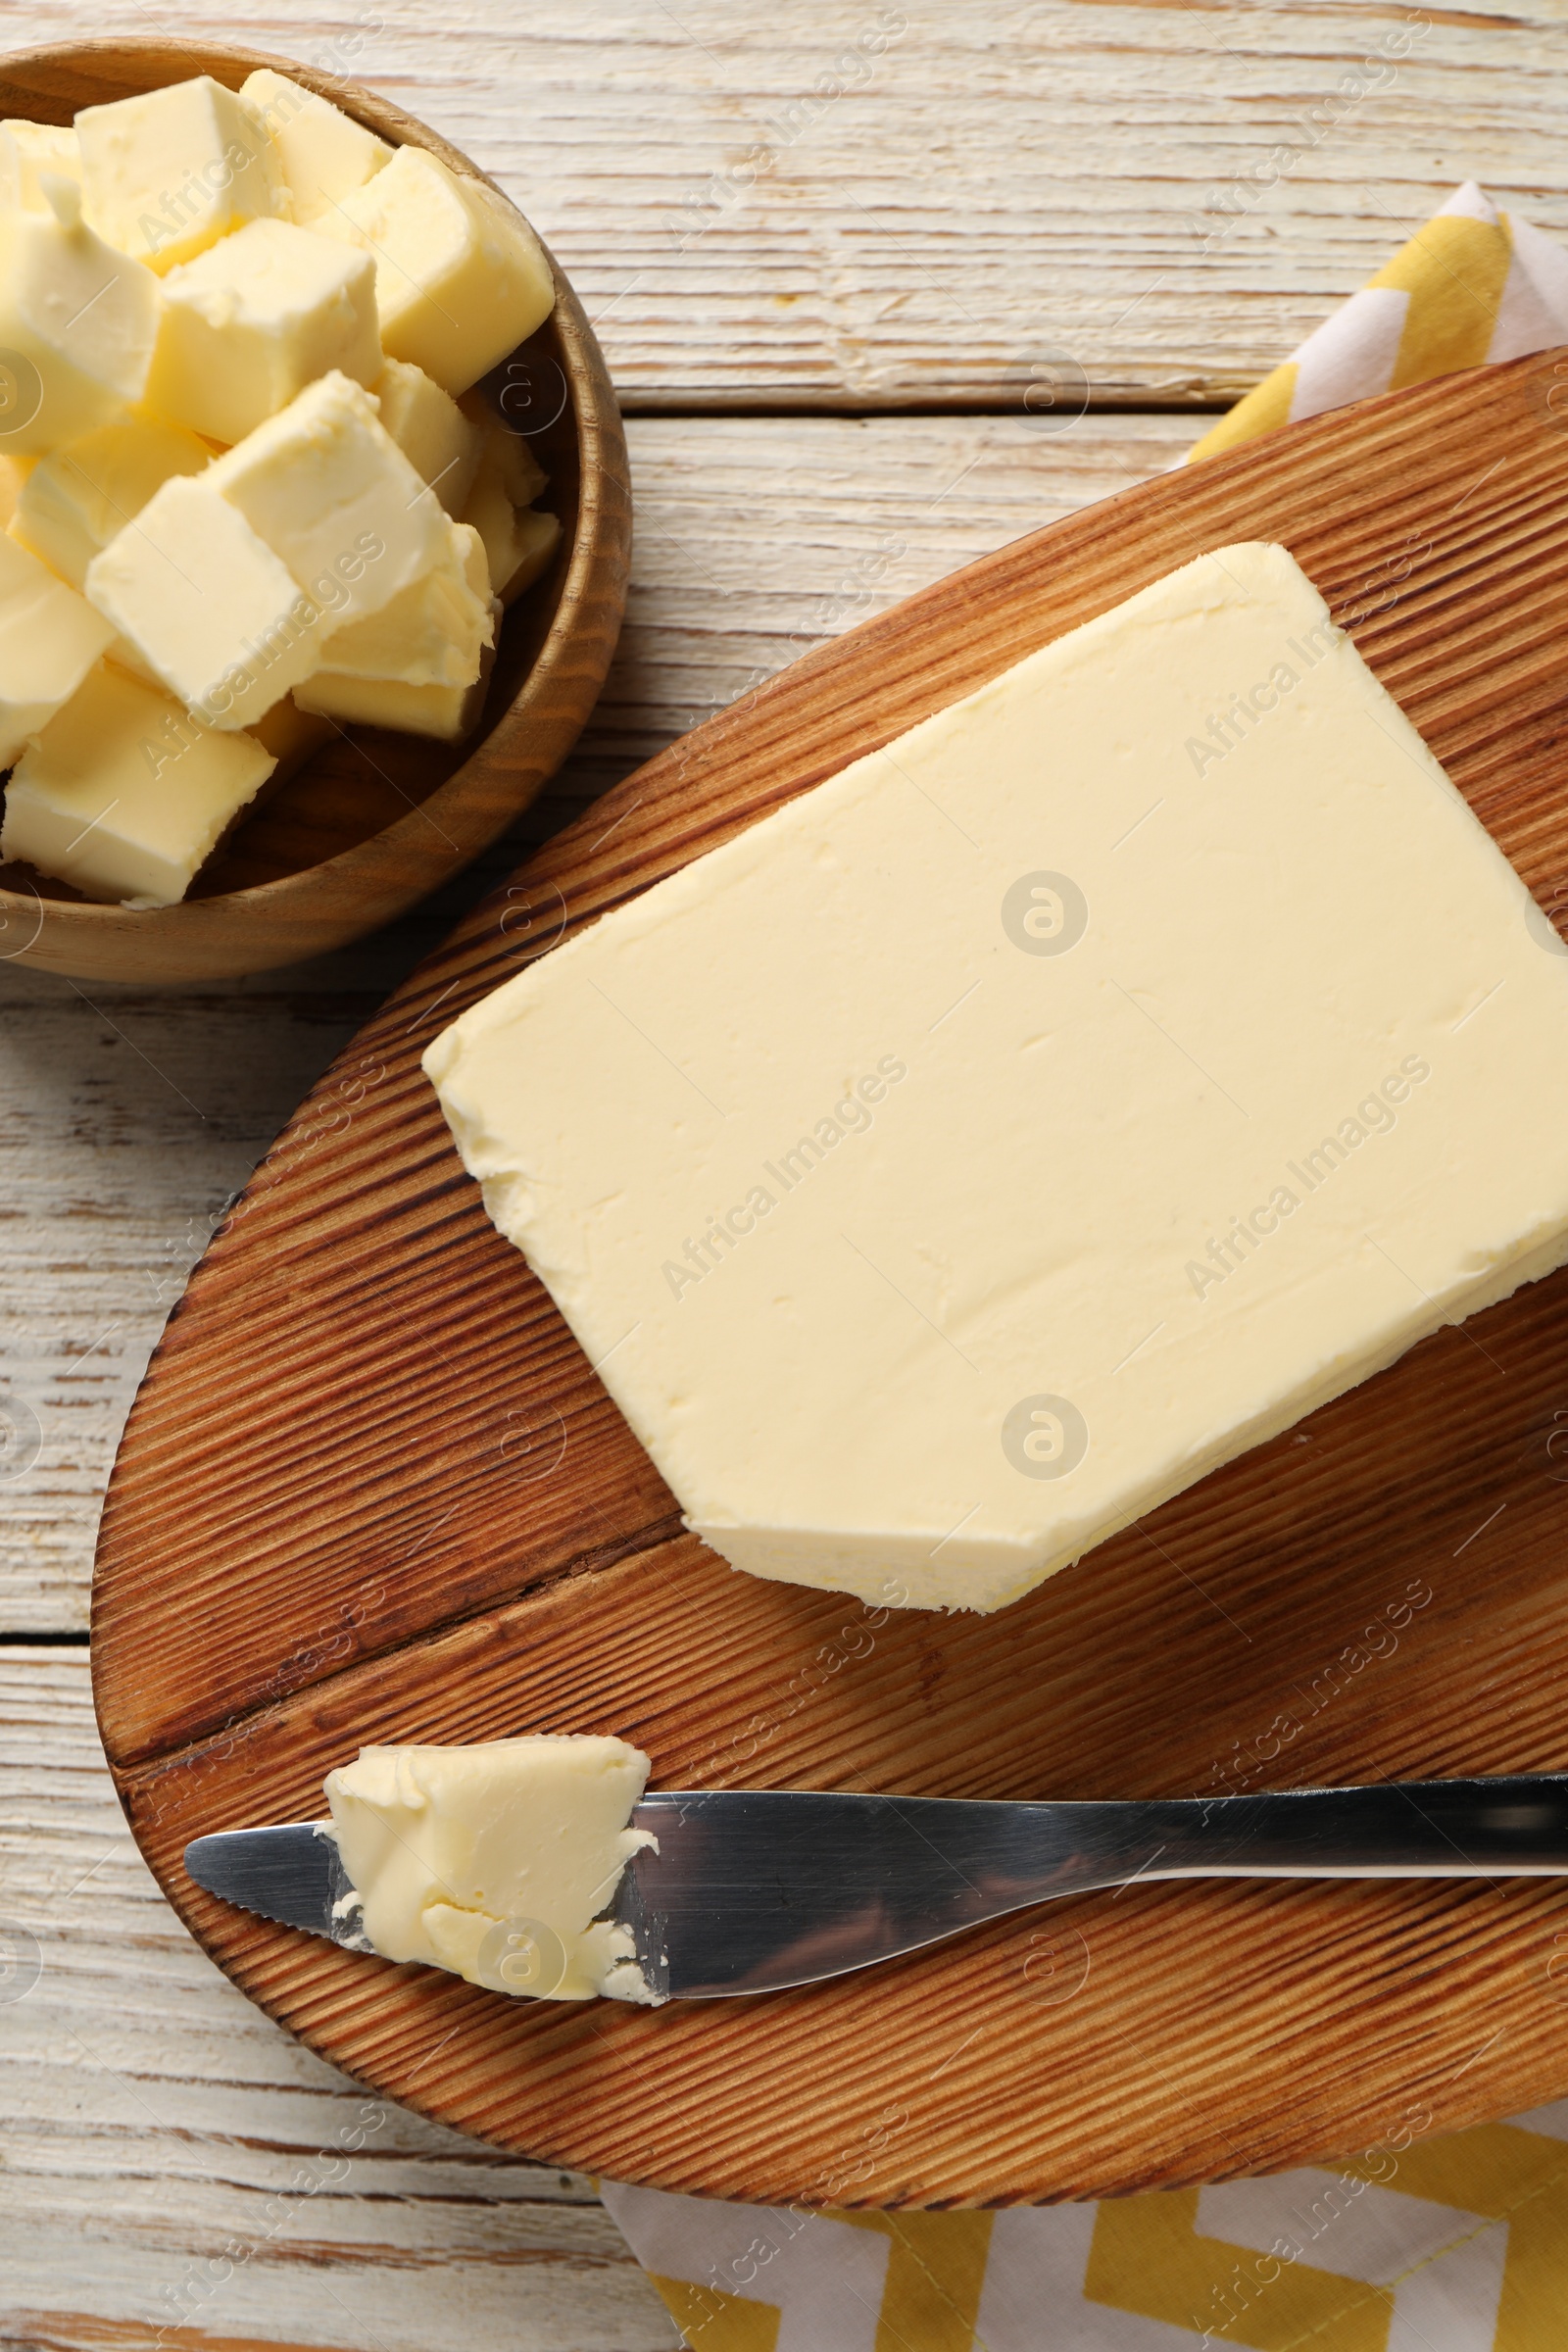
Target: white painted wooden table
pixel 834 250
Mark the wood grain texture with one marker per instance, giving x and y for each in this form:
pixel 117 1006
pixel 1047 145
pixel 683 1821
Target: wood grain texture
pixel 154 2119
pixel 375 820
pixel 372 1490
pixel 758 210
pixel 128 1118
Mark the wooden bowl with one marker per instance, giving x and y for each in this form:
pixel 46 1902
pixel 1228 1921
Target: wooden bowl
pixel 375 820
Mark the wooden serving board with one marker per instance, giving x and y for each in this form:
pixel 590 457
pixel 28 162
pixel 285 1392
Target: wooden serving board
pixel 371 1491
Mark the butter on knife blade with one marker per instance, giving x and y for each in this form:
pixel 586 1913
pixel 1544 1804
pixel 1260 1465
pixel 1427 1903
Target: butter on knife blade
pixel 496 1860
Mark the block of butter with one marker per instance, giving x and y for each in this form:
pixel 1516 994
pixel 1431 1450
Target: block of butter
pixel 460 277
pixel 83 494
pixel 322 154
pixel 226 585
pixel 126 794
pixel 422 664
pixel 14 472
pixel 293 737
pixel 494 1860
pixel 433 632
pixel 518 541
pixel 328 490
pixel 435 436
pixel 49 640
pixel 77 323
pixel 207 606
pixel 506 448
pixel 446 714
pixel 255 318
pixel 30 149
pixel 1042 1111
pixel 166 174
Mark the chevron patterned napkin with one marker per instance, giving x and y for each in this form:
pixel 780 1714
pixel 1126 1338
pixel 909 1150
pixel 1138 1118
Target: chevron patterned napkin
pixel 1438 2244
pixel 1454 2244
pixel 1473 285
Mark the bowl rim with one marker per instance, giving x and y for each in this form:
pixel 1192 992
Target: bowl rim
pixel 595 580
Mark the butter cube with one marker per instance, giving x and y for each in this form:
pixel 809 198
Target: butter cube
pixel 14 472
pixel 81 496
pixel 433 632
pixel 166 174
pixel 77 323
pixel 518 542
pixel 322 154
pixel 254 319
pixel 537 537
pixel 125 656
pixel 435 435
pixel 445 713
pixel 459 277
pixel 207 605
pixel 50 637
pixel 292 736
pixel 27 149
pixel 508 479
pixel 505 451
pixel 334 498
pixel 126 794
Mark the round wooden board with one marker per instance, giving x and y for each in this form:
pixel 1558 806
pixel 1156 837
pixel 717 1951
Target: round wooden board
pixel 371 1491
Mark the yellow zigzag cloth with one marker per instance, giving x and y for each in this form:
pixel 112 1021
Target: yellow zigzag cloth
pixel 1473 285
pixel 1456 2244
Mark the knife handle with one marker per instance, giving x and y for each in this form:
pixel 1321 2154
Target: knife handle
pixel 1394 1829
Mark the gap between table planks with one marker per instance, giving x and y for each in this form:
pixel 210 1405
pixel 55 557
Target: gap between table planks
pixel 341 1513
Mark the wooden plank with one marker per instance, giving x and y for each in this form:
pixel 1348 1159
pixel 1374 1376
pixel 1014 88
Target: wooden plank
pixel 336 1514
pixel 127 1118
pixel 762 206
pixel 173 2160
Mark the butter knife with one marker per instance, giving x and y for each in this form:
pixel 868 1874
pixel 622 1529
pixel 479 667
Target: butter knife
pixel 755 1889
